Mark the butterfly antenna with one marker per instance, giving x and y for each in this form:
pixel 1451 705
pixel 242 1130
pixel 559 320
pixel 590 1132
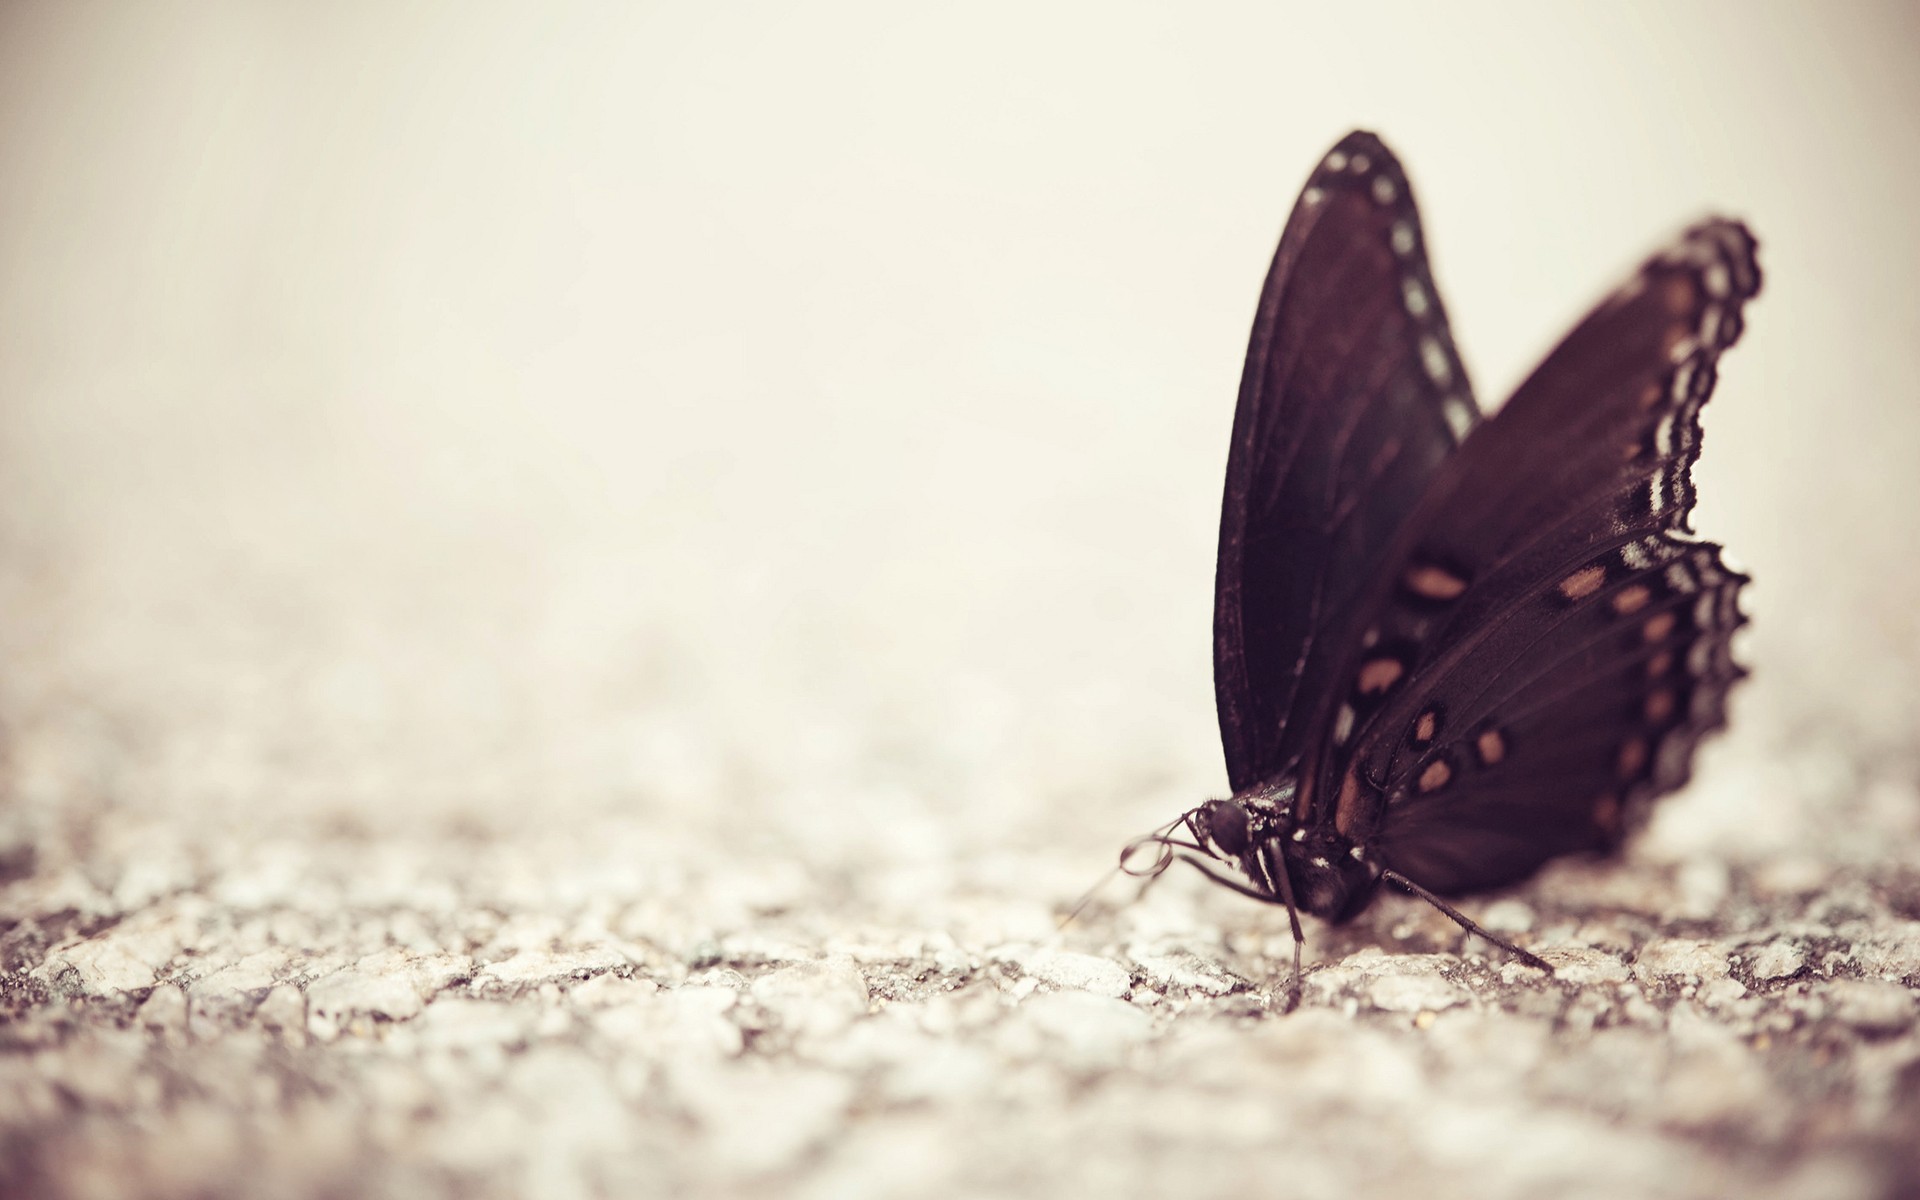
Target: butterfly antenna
pixel 1163 858
pixel 1086 898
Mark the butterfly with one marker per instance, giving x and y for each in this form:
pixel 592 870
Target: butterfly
pixel 1449 647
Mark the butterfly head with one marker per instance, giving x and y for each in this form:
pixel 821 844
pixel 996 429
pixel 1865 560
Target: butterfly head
pixel 1258 835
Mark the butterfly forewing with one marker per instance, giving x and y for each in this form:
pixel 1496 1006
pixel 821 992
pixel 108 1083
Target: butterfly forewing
pixel 1544 647
pixel 1352 398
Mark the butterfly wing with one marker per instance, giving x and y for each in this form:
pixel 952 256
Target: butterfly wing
pixel 1555 644
pixel 1352 397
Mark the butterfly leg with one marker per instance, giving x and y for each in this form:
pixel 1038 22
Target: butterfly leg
pixel 1465 922
pixel 1299 939
pixel 1285 897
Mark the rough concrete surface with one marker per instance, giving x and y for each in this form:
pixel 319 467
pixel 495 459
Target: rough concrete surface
pixel 581 587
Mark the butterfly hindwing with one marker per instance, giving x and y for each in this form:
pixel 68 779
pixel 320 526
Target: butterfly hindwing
pixel 1352 398
pixel 1545 647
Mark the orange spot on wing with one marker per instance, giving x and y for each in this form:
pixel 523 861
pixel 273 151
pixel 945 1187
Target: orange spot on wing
pixel 1379 675
pixel 1435 583
pixel 1492 747
pixel 1583 583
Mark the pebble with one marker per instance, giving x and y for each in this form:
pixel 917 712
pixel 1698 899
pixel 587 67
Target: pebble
pixel 815 999
pixel 607 991
pixel 1681 958
pixel 1187 972
pixel 352 993
pixel 1088 1031
pixel 117 961
pixel 165 1012
pixel 1874 1006
pixel 1415 993
pixel 530 968
pixel 1776 960
pixel 1084 972
pixel 457 1023
pixel 284 1012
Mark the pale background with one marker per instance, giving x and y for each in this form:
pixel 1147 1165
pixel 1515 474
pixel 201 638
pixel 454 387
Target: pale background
pixel 799 428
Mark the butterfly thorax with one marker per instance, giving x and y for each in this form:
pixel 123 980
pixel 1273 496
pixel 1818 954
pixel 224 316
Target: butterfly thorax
pixel 1328 874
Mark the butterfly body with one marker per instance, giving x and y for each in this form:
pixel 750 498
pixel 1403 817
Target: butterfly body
pixel 1450 647
pixel 1328 873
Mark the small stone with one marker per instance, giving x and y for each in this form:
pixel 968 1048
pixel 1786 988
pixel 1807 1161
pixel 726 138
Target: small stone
pixel 687 1023
pixel 1187 972
pixel 351 993
pixel 1870 1005
pixel 452 1023
pixel 531 968
pixel 1776 960
pixel 1894 950
pixel 1508 916
pixel 1579 964
pixel 165 1012
pixel 1604 935
pixel 110 963
pixel 1415 993
pixel 1086 972
pixel 817 998
pixel 237 981
pixel 1088 1031
pixel 284 1012
pixel 1681 958
pixel 607 991
pixel 1718 993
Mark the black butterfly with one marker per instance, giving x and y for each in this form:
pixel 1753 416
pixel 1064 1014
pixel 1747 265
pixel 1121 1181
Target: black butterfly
pixel 1448 648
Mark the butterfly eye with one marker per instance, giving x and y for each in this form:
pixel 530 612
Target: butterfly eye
pixel 1228 826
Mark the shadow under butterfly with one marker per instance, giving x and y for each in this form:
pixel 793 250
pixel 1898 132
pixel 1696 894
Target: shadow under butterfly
pixel 1447 647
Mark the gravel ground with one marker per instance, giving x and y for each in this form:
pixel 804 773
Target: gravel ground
pixel 579 597
pixel 825 966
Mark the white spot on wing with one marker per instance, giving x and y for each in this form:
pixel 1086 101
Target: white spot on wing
pixel 1312 197
pixel 1337 161
pixel 1416 297
pixel 1362 164
pixel 1433 356
pixel 1663 435
pixel 1402 237
pixel 1700 658
pixel 1710 325
pixel 1383 189
pixel 1683 381
pixel 1458 414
